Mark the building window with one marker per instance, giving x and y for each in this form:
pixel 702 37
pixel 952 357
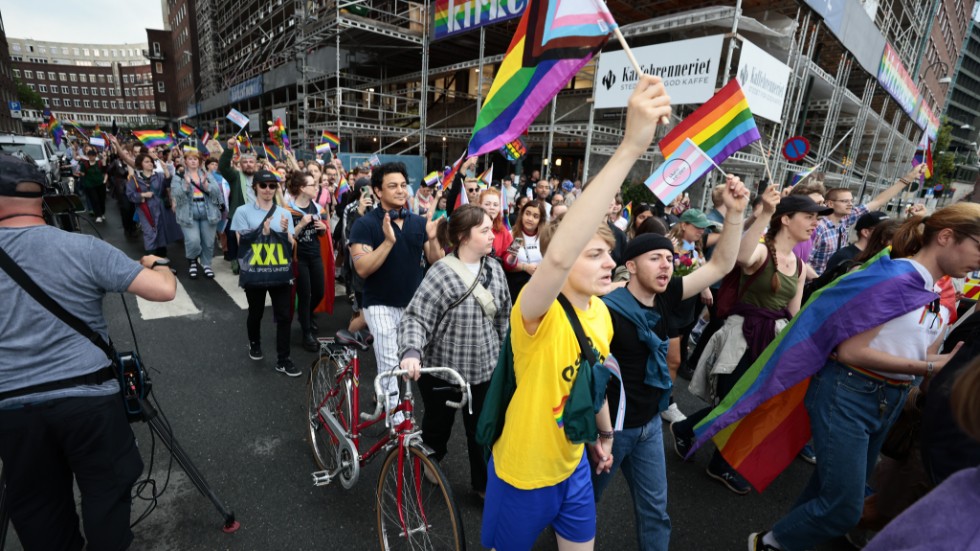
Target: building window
pixel 74 90
pixel 105 104
pixel 105 53
pixel 112 92
pixel 112 104
pixel 87 104
pixel 64 89
pixel 156 48
pixel 163 107
pixel 129 105
pixel 75 51
pixel 16 73
pixel 56 102
pixel 109 79
pixel 160 87
pixel 159 67
pixel 43 88
pixel 64 51
pixel 43 50
pixel 28 74
pixel 84 90
pixel 50 76
pixel 83 77
pixel 74 77
pixel 62 77
pixel 86 52
pixel 16 47
pixel 101 79
pixel 77 103
pixel 30 85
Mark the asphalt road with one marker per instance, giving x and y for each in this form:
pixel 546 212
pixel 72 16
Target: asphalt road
pixel 243 425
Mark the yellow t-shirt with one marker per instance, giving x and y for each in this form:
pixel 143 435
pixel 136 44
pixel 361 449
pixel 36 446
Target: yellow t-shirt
pixel 532 452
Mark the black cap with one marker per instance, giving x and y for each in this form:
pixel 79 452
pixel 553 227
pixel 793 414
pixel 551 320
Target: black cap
pixel 645 243
pixel 264 176
pixel 870 219
pixel 362 182
pixel 800 203
pixel 14 171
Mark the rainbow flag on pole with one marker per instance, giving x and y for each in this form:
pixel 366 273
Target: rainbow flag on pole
pixel 720 127
pixel 924 156
pixel 185 130
pixel 57 131
pixel 153 138
pixel 269 154
pixel 450 175
pixel 553 41
pixel 627 211
pixel 330 138
pixel 681 169
pixel 762 424
pixel 342 188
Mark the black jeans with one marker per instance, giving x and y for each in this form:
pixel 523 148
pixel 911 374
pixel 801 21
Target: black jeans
pixel 232 238
pixel 44 446
pixel 309 289
pixel 280 310
pixel 96 197
pixel 437 423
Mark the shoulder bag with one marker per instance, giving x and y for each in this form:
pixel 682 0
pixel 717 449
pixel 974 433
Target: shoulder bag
pixel 264 261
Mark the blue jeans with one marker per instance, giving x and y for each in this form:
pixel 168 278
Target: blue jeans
pixel 640 453
pixel 199 235
pixel 850 415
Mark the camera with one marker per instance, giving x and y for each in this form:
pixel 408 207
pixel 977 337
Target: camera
pixel 135 383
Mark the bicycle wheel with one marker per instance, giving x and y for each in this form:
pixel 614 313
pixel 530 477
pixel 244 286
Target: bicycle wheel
pixel 325 390
pixel 414 513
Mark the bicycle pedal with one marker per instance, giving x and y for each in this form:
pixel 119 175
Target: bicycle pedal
pixel 322 478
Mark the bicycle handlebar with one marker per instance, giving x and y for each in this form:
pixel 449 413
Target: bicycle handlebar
pixel 460 381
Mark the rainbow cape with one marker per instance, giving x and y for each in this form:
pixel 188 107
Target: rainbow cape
pixel 762 423
pixel 57 131
pixel 330 138
pixel 153 138
pixel 552 42
pixel 720 127
pixel 185 130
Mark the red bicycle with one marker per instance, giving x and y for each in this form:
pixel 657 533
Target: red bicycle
pixel 416 508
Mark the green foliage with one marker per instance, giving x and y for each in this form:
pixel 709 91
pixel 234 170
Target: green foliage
pixel 27 97
pixel 943 160
pixel 638 193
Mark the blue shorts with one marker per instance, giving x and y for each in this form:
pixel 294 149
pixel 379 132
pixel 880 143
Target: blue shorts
pixel 514 518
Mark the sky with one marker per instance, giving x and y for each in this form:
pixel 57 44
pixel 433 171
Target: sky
pixel 90 21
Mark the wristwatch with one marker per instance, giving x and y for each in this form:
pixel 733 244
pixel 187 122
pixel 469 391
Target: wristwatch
pixel 160 262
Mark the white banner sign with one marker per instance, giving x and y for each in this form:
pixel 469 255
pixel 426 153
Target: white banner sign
pixel 689 69
pixel 764 79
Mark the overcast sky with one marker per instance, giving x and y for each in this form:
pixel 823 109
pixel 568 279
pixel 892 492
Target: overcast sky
pixel 89 21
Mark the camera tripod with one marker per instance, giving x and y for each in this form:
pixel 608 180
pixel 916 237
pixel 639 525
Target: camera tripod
pixel 166 435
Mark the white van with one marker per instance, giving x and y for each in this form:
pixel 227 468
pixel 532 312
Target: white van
pixel 39 149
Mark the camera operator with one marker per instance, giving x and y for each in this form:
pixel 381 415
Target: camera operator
pixel 61 411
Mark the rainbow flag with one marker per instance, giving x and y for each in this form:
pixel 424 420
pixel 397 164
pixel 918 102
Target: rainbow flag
pixel 214 135
pixel 330 138
pixel 762 423
pixel 246 141
pixel 76 126
pixel 450 175
pixel 553 41
pixel 924 157
pixel 269 154
pixel 153 138
pixel 57 131
pixel 486 177
pixel 720 127
pixel 280 176
pixel 342 188
pixel 185 130
pixel 281 134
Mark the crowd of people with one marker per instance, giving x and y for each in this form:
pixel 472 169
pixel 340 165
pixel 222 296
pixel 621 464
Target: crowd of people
pixel 592 313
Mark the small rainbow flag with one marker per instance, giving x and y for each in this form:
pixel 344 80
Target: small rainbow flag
pixel 762 423
pixel 628 211
pixel 486 177
pixel 548 49
pixel 342 188
pixel 185 130
pixel 280 176
pixel 269 154
pixel 214 135
pixel 57 131
pixel 76 126
pixel 450 175
pixel 720 127
pixel 330 138
pixel 282 138
pixel 153 138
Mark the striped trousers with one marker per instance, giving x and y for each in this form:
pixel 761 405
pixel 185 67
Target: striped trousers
pixel 383 322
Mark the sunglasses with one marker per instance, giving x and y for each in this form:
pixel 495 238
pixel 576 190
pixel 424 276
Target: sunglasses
pixel 266 185
pixel 470 190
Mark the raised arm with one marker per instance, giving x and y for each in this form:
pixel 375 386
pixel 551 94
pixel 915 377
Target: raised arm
pixel 736 196
pixel 648 103
pixel 750 252
pixel 882 198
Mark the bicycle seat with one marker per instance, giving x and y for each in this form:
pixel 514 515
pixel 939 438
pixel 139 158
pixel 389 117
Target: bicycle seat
pixel 358 339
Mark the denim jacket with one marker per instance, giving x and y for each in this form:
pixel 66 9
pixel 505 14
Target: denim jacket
pixel 183 196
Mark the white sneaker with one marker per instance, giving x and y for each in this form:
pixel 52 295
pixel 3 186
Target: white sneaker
pixel 99 219
pixel 672 414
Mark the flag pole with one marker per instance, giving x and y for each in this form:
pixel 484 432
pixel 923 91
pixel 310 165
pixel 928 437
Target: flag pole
pixel 665 120
pixel 706 156
pixel 765 160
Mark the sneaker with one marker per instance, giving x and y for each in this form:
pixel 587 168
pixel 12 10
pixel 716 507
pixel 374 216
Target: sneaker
pixel 430 475
pixel 682 446
pixel 286 366
pixel 234 267
pixel 721 471
pixel 255 350
pixel 99 219
pixel 672 414
pixel 807 454
pixel 756 543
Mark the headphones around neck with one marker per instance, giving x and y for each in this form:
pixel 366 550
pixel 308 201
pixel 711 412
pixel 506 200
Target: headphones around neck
pixel 395 214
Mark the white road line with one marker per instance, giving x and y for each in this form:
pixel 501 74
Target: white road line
pixel 228 281
pixel 181 305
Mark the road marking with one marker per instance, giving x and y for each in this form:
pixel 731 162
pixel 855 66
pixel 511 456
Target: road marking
pixel 228 281
pixel 181 305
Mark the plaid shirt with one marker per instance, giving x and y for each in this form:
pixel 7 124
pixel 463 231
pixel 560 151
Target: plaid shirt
pixel 466 340
pixel 828 238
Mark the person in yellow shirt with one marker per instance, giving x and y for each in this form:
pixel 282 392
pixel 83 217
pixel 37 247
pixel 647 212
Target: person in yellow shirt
pixel 536 476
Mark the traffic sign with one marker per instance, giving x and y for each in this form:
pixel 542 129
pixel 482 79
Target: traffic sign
pixel 796 148
pixel 15 109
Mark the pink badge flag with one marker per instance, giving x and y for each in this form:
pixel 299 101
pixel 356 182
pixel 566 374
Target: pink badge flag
pixel 681 169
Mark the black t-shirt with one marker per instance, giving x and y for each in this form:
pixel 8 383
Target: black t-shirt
pixel 642 401
pixel 842 255
pixel 397 279
pixel 308 242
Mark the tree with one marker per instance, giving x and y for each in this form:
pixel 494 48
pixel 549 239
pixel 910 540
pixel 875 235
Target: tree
pixel 943 160
pixel 28 97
